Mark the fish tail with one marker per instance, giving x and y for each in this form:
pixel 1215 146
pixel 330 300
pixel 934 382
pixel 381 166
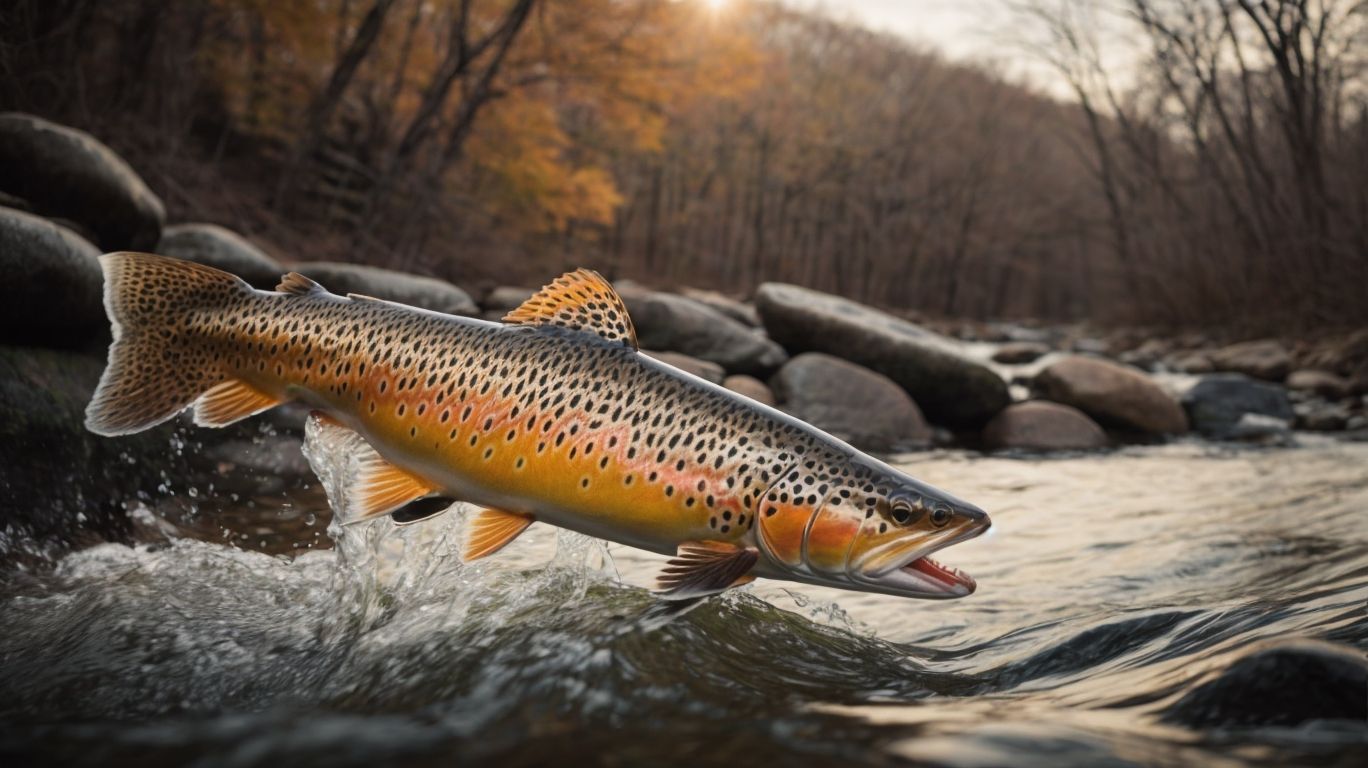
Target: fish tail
pixel 156 367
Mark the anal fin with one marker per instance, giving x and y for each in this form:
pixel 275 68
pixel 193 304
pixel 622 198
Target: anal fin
pixel 702 568
pixel 491 530
pixel 230 401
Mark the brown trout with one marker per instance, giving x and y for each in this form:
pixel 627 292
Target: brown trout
pixel 552 415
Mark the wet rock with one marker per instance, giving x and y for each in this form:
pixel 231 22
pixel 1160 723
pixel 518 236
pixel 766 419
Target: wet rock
pixel 1284 685
pixel 677 324
pixel 64 172
pixel 751 387
pixel 1020 352
pixel 425 292
pixel 1113 394
pixel 864 408
pixel 1147 355
pixel 1265 359
pixel 50 284
pixel 1189 362
pixel 221 248
pixel 1320 416
pixel 1322 383
pixel 505 299
pixel 1218 401
pixel 1045 426
pixel 700 368
pixel 739 311
pixel 952 388
pixel 60 485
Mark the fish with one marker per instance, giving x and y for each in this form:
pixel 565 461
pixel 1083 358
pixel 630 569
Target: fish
pixel 553 415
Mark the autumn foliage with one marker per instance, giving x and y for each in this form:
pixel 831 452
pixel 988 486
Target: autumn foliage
pixel 498 141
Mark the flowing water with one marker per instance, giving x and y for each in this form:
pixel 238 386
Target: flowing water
pixel 1114 588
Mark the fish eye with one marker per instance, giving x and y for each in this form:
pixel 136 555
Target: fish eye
pixel 940 516
pixel 902 512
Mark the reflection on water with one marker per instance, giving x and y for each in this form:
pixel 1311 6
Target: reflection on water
pixel 1118 595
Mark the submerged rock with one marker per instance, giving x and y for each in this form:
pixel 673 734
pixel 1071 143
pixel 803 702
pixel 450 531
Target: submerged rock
pixel 677 324
pixel 224 249
pixel 1287 684
pixel 864 408
pixel 425 292
pixel 751 387
pixel 51 285
pixel 1020 352
pixel 1265 359
pixel 1113 394
pixel 952 388
pixel 700 368
pixel 1045 426
pixel 1217 403
pixel 67 173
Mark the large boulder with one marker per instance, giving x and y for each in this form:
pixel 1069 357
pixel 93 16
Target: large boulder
pixel 1218 403
pixel 1286 684
pixel 1043 426
pixel 703 369
pixel 1115 395
pixel 425 292
pixel 1265 359
pixel 51 286
pixel 221 248
pixel 677 324
pixel 66 173
pixel 952 388
pixel 864 408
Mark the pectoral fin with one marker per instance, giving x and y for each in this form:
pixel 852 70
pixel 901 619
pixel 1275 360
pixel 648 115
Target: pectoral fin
pixel 491 530
pixel 705 568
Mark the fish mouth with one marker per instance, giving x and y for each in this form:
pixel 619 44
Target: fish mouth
pixel 919 575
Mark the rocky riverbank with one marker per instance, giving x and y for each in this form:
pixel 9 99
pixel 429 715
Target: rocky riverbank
pixel 884 383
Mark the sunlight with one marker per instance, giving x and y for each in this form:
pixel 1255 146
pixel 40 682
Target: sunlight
pixel 716 5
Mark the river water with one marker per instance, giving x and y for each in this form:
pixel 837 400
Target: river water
pixel 1113 589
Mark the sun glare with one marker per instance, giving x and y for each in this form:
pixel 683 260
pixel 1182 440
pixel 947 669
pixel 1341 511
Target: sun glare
pixel 716 5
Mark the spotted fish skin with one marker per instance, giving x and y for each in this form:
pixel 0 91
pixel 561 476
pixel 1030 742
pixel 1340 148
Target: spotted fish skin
pixel 572 427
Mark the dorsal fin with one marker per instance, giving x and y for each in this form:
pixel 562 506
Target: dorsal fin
pixel 582 301
pixel 298 284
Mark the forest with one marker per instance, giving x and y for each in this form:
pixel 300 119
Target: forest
pixel 1221 181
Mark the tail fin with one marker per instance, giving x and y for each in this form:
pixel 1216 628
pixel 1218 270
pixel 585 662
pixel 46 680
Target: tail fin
pixel 154 371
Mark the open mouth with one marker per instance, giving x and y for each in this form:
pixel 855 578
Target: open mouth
pixel 950 579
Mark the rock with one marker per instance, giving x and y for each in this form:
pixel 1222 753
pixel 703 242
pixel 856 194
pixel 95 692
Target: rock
pixel 1217 402
pixel 1266 359
pixel 1322 383
pixel 1189 362
pixel 63 172
pixel 221 248
pixel 61 485
pixel 1256 427
pixel 1147 355
pixel 700 368
pixel 1284 685
pixel 1320 416
pixel 51 288
pixel 1020 352
pixel 953 389
pixel 505 299
pixel 739 311
pixel 677 324
pixel 751 387
pixel 425 292
pixel 1111 393
pixel 1046 426
pixel 864 408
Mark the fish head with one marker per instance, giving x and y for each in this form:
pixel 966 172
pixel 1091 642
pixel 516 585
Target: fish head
pixel 875 533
